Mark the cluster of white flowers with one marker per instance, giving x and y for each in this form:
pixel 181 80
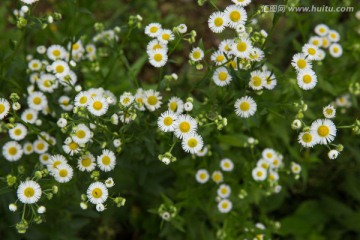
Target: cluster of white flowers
pixel 224 190
pixel 327 39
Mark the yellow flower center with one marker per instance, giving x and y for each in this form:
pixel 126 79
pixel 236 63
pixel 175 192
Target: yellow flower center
pixel 269 155
pixel 307 137
pixel 256 81
pixel 2 108
pixel 86 162
pixel 96 193
pixel 220 58
pixel 173 106
pixel 157 46
pixel 152 100
pixel 81 134
pixel 153 29
pixel 73 146
pixel 192 142
pixel 63 173
pixel 106 160
pixel 47 83
pixel 29 148
pixel 56 163
pixel 235 16
pixel 329 111
pixel 35 65
pixel 311 51
pixel 315 42
pixel 322 30
pixel 307 78
pixel 333 35
pixel 59 69
pixel 83 100
pixel 323 131
pixel 45 158
pixel 158 57
pixel 301 63
pixel 29 192
pixel 244 106
pixel 37 100
pixel 75 46
pixel 56 53
pixel 184 127
pixel 40 146
pixel 166 36
pixel 196 55
pixel 259 173
pixel 217 177
pixel 224 205
pixel 336 50
pixel 223 190
pixel 12 150
pixel 241 46
pixel 168 121
pixel 226 165
pixel 218 21
pixel 222 76
pixel 97 105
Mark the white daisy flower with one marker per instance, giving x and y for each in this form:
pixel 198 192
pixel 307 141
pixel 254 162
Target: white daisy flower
pixel 226 165
pixel 333 36
pixel 343 101
pixel 245 107
pixel 218 57
pixel 217 22
pixel 241 3
pixel 273 176
pixel 56 52
pixel 82 99
pixel 100 207
pixel 166 121
pixel 63 173
pixel 325 129
pixel 192 143
pixel 29 1
pixel 221 77
pixel 18 132
pixel 97 106
pixel 176 105
pixel 68 79
pixel 188 106
pixel 81 134
pixel 165 36
pixel 329 111
pixel 4 108
pixel 321 30
pixel 259 174
pixel 308 139
pixel 270 80
pixel 226 45
pixel 224 191
pixel 29 192
pixel 202 176
pixel 300 62
pixel 97 193
pixel 235 15
pixel 109 183
pixel 153 29
pixel 47 83
pixel 154 45
pixel 217 176
pixel 257 80
pixel 12 151
pixel 277 161
pixel 321 55
pixel 265 164
pixel 28 148
pixel 316 41
pixel 256 54
pixel 311 51
pixel 295 168
pixel 60 68
pixel 242 48
pixel 333 154
pixel 306 79
pixel 65 103
pixel 55 161
pixel 44 158
pixel 41 49
pixel 86 163
pixel 184 125
pixel 335 50
pixel 225 206
pixel 37 101
pixel 126 99
pixel 152 99
pixel 71 148
pixel 325 42
pixel 158 58
pixel 140 99
pixel 35 65
pixel 106 161
pixel 196 54
pixel 268 154
pixel 40 146
pixel 77 48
